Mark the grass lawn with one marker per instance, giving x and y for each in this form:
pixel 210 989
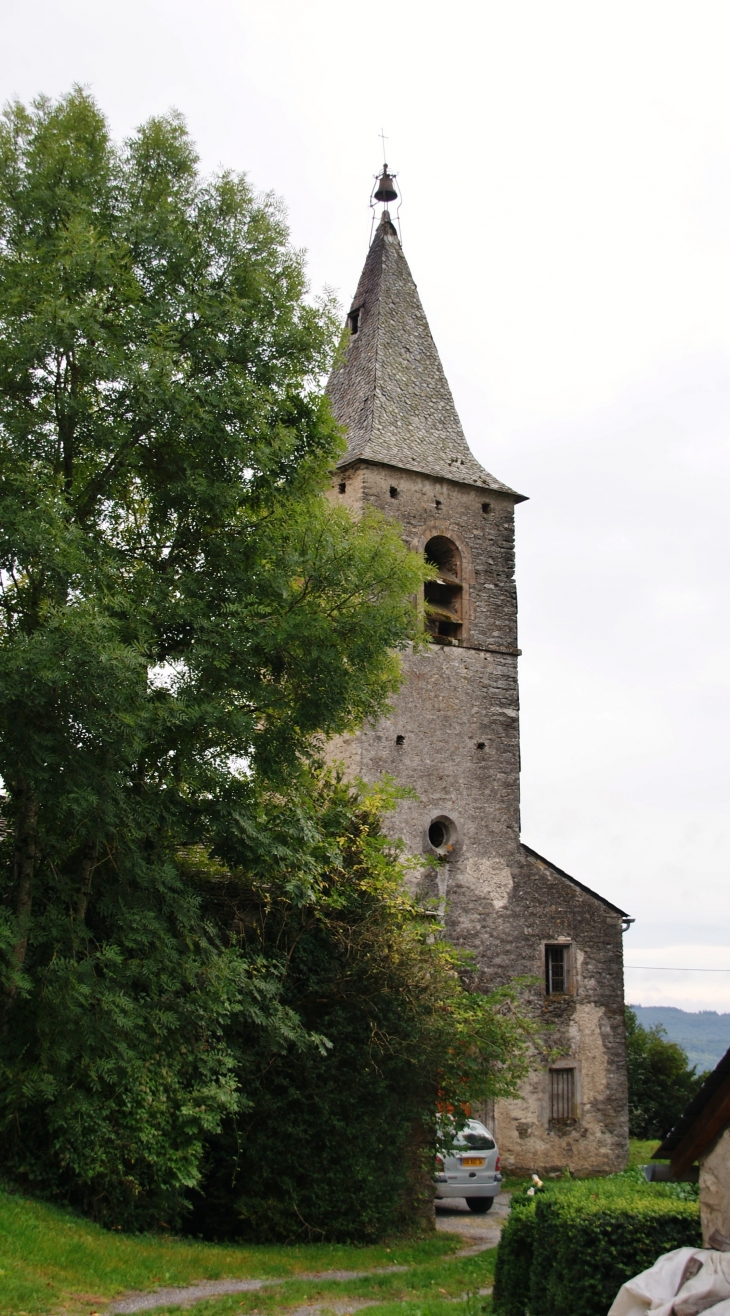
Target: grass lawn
pixel 53 1261
pixel 428 1289
pixel 640 1153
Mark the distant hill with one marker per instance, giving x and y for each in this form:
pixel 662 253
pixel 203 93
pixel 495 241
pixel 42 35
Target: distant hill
pixel 705 1035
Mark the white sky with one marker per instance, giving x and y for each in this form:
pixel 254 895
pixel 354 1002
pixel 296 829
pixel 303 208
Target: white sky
pixel 566 178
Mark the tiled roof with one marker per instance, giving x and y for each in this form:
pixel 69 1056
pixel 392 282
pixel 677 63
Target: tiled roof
pixel 390 391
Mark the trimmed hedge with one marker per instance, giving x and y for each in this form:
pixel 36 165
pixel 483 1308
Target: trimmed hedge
pixel 514 1259
pixel 568 1250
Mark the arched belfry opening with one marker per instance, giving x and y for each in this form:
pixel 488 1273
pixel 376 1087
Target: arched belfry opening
pixel 443 596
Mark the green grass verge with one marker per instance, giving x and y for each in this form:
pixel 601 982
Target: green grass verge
pixel 426 1288
pixel 52 1260
pixel 640 1153
pixel 472 1305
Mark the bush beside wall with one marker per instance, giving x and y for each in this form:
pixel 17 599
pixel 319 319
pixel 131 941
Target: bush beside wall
pixel 568 1251
pixel 514 1259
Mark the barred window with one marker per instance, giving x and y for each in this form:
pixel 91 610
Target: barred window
pixel 557 975
pixel 562 1094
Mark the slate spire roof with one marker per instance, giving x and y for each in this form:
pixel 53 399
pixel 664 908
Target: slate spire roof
pixel 390 391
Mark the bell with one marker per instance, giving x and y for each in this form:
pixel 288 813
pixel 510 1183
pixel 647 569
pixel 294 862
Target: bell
pixel 386 188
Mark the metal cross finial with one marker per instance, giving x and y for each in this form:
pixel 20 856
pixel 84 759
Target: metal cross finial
pixel 383 139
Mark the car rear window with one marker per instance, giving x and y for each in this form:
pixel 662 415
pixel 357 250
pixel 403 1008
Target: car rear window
pixel 476 1137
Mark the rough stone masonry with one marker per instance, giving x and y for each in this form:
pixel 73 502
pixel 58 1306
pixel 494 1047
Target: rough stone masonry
pixel 453 735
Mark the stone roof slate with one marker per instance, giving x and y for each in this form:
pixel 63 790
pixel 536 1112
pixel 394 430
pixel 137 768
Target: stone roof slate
pixel 390 392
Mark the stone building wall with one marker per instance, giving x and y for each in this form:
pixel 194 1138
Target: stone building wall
pixel 715 1188
pixel 455 699
pixel 453 736
pixel 586 1023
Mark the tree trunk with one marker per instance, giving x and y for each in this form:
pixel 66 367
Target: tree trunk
pixel 88 865
pixel 25 852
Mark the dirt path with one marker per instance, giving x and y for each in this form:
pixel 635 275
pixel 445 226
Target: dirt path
pixel 478 1232
pixel 215 1288
pixel 482 1231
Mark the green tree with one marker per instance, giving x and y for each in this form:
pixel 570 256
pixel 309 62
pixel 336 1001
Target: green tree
pixel 339 1139
pixel 661 1081
pixel 182 617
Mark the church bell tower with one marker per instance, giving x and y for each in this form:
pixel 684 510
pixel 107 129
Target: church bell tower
pixel 453 735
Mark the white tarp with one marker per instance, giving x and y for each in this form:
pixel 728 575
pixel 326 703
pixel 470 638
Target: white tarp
pixel 681 1283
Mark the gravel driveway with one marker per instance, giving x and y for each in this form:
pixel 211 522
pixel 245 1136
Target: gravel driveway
pixel 454 1216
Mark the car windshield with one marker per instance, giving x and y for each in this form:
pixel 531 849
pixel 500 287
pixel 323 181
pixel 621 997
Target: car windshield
pixel 475 1136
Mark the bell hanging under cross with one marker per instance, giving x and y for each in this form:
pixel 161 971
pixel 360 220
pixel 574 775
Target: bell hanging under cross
pixel 386 188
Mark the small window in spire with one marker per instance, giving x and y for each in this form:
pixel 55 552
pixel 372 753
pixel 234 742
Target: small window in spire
pixel 343 486
pixel 393 491
pixel 353 320
pixel 486 507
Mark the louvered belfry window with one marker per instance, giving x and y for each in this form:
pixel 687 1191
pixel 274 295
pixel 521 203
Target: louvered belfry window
pixel 562 1094
pixel 443 596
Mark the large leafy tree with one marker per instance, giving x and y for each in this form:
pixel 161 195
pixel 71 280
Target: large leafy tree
pixel 339 1138
pixel 661 1080
pixel 182 617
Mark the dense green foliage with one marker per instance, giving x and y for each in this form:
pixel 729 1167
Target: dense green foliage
pixel 661 1082
pixel 183 618
pixel 346 1150
pixel 568 1250
pixel 514 1259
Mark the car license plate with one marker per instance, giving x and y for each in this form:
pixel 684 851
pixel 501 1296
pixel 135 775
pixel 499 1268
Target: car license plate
pixel 472 1160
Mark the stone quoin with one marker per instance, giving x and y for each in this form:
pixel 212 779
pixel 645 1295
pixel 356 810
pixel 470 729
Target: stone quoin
pixel 453 734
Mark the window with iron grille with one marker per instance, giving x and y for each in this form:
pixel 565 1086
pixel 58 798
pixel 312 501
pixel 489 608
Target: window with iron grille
pixel 557 970
pixel 562 1094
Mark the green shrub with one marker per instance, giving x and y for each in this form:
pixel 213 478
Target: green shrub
pixel 581 1241
pixel 338 1140
pixel 514 1259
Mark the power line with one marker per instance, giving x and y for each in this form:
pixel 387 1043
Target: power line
pixel 673 968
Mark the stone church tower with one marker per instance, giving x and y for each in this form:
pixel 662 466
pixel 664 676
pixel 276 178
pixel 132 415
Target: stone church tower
pixel 453 735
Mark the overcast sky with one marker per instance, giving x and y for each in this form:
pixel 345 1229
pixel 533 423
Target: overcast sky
pixel 565 172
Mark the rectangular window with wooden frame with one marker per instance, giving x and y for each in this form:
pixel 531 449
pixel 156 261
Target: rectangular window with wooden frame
pixel 562 1095
pixel 557 970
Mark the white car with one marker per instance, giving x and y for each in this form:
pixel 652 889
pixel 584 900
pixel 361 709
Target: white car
pixel 470 1169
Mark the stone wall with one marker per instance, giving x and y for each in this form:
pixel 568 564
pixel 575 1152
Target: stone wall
pixel 453 737
pixel 586 1023
pixel 715 1188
